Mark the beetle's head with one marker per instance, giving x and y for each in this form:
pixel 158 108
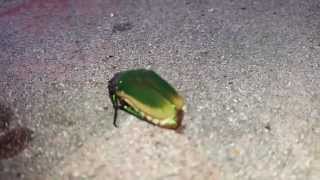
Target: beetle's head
pixel 113 84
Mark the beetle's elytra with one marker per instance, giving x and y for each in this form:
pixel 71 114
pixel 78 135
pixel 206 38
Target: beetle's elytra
pixel 144 94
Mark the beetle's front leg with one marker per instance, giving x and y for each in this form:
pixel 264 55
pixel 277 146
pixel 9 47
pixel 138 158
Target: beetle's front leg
pixel 115 107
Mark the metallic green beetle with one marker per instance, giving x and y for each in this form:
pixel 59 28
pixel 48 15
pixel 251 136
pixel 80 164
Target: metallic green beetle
pixel 144 94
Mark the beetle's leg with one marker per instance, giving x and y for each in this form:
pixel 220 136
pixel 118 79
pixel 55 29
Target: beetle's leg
pixel 115 107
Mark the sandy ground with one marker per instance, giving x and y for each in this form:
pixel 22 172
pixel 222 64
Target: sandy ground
pixel 248 69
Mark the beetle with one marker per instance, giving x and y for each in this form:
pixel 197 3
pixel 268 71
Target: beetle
pixel 144 94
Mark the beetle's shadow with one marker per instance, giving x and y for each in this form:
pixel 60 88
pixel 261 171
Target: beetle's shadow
pixel 12 140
